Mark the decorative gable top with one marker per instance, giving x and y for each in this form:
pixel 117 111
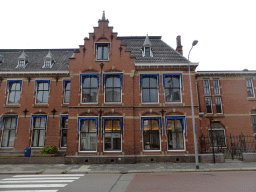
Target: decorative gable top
pixel 147 42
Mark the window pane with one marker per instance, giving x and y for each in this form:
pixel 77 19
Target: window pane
pixel 94 82
pixel 109 82
pixel 216 87
pixel 175 135
pixel 11 97
pixel 151 140
pixel 99 52
pixel 145 82
pixel 45 96
pixel 86 82
pixel 117 95
pixel 117 82
pixel 112 141
pixel 35 138
pixel 108 125
pixel 12 138
pixel 67 86
pixel 41 138
pixel 153 95
pixel 206 87
pixel 153 82
pixel 147 51
pixel 105 53
pixel 92 126
pixel 66 97
pixel 94 95
pixel 116 125
pixel 5 138
pixel 145 95
pixel 39 97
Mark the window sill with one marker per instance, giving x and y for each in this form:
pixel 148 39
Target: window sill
pixel 102 60
pixel 251 98
pixel 12 106
pixel 65 105
pixel 40 105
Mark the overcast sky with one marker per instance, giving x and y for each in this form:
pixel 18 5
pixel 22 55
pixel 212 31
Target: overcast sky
pixel 225 29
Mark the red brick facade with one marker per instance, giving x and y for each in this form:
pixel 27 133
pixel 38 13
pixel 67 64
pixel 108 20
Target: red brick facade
pixel 237 107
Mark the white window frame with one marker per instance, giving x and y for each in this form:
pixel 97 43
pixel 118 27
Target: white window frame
pixel 79 145
pixel 61 129
pixel 81 88
pixel 158 84
pixel 209 87
pixel 22 63
pixel 184 140
pixel 36 81
pixel 32 133
pixel 144 51
pixel 8 93
pixel 121 99
pixel 218 86
pixel 64 90
pixel 220 105
pixel 48 65
pixel 96 50
pixel 3 128
pixel 180 89
pixel 251 80
pixel 160 143
pixel 211 105
pixel 121 150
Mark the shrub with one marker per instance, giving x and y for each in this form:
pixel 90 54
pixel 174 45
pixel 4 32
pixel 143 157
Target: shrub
pixel 49 149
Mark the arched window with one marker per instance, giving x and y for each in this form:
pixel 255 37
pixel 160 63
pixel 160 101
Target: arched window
pixel 217 135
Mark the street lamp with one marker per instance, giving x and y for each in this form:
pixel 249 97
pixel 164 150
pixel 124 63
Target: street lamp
pixel 192 108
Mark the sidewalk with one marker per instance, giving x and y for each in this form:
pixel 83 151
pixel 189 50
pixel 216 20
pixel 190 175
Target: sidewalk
pixel 229 165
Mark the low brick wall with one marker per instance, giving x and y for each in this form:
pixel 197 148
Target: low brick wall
pixel 129 159
pixel 249 157
pixel 32 160
pixel 208 158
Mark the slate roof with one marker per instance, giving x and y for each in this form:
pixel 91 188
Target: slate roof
pixel 36 59
pixel 162 53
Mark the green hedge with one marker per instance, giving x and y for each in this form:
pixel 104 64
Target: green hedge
pixel 49 149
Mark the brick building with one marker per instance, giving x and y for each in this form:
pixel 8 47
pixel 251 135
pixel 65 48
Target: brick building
pixel 116 96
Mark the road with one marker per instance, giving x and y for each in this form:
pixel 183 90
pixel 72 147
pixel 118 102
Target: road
pixel 233 181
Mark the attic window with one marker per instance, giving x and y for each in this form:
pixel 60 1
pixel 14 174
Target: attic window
pixel 147 52
pixel 22 63
pixel 102 51
pixel 48 60
pixel 22 60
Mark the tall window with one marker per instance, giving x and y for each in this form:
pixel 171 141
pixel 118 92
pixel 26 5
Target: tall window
pixel 38 132
pixel 218 104
pixel 147 51
pixel 175 134
pixel 88 134
pixel 64 130
pixel 90 83
pixel 102 50
pixel 9 124
pixel 208 104
pixel 66 85
pixel 42 91
pixel 149 87
pixel 217 135
pixel 112 134
pixel 216 87
pixel 172 88
pixel 151 136
pixel 206 87
pixel 14 90
pixel 250 88
pixel 113 84
pixel 254 123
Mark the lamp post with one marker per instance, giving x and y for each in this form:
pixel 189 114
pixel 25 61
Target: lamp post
pixel 192 108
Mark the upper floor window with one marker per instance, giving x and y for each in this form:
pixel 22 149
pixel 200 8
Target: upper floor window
pixel 218 104
pixel 42 91
pixel 66 88
pixel 113 87
pixel 216 87
pixel 206 87
pixel 90 85
pixel 47 64
pixel 9 124
pixel 172 86
pixel 22 60
pixel 14 91
pixel 250 88
pixel 149 87
pixel 48 60
pixel 102 51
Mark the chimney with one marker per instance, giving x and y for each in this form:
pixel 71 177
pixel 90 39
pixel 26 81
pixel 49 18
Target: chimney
pixel 179 46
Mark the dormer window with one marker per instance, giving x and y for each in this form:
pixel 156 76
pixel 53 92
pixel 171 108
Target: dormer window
pixel 48 60
pixel 102 51
pixel 147 48
pixel 22 60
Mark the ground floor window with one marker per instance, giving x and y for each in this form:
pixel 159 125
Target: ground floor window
pixel 217 135
pixel 38 130
pixel 151 128
pixel 112 133
pixel 88 134
pixel 175 132
pixel 64 130
pixel 9 131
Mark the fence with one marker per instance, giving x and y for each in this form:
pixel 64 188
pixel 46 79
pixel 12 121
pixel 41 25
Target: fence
pixel 231 146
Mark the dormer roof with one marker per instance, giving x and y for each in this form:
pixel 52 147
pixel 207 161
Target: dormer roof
pixel 147 42
pixel 23 56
